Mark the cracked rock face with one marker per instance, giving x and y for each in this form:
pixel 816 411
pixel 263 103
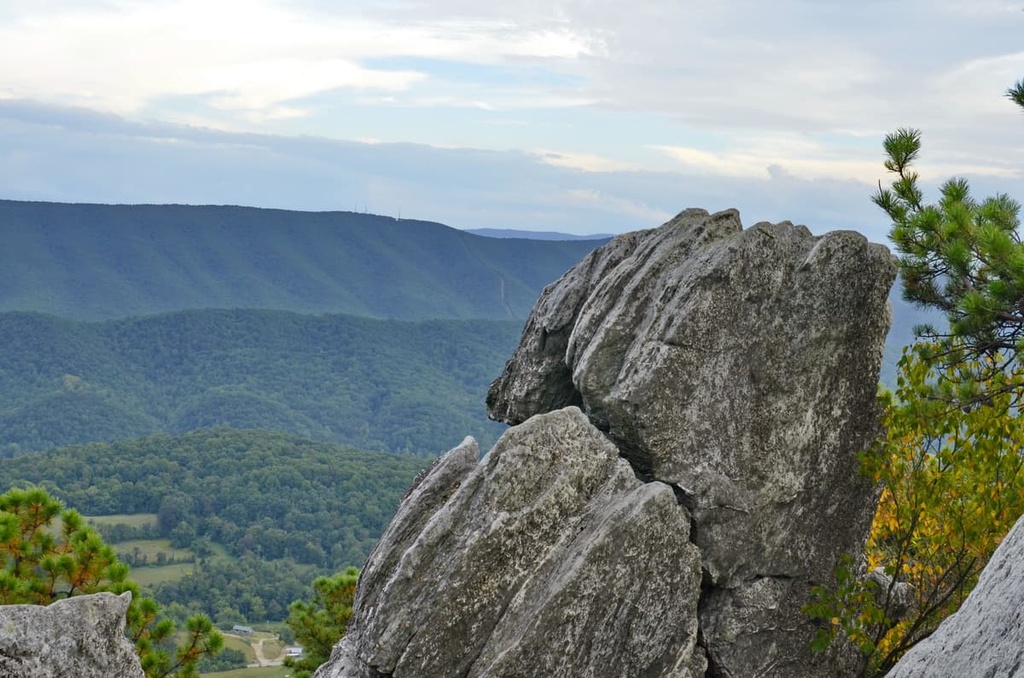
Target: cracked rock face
pixel 985 637
pixel 688 403
pixel 80 637
pixel 546 558
pixel 741 367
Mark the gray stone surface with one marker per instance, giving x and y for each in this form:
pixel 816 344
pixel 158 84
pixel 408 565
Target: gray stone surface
pixel 79 637
pixel 427 495
pixel 741 367
pixel 985 637
pixel 548 558
pixel 688 403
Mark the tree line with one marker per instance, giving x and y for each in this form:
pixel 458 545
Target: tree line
pixel 257 492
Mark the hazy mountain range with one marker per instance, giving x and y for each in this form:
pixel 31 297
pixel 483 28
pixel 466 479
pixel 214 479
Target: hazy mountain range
pixel 534 235
pixel 91 262
pixel 108 332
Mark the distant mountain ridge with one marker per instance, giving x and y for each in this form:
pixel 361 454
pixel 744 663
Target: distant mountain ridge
pixel 535 235
pixel 91 262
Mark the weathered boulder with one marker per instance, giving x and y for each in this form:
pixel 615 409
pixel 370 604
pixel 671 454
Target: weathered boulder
pixel 80 637
pixel 985 637
pixel 687 405
pixel 546 558
pixel 741 368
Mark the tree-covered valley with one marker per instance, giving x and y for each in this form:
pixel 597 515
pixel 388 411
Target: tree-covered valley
pixel 237 398
pixel 262 513
pixel 402 386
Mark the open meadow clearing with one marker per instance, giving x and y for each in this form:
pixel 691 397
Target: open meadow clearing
pixel 129 519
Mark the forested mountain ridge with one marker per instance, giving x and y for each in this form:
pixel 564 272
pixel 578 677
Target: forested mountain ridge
pixel 373 385
pixel 91 262
pixel 416 387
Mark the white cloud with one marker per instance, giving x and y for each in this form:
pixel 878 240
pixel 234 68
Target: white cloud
pixel 734 165
pixel 124 162
pixel 124 56
pixel 752 155
pixel 588 162
pixel 633 209
pixel 975 87
pixel 723 90
pixel 259 84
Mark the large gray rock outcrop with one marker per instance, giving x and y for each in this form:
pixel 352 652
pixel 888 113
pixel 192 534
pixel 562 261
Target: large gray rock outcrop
pixel 80 637
pixel 547 558
pixel 687 406
pixel 740 367
pixel 985 637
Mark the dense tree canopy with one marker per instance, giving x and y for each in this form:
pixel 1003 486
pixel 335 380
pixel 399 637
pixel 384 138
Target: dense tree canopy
pixel 96 262
pixel 286 510
pixel 414 387
pixel 270 494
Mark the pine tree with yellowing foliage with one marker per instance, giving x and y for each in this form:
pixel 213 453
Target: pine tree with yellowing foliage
pixel 952 482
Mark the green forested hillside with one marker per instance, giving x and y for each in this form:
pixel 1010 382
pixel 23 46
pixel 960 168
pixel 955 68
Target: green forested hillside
pixel 284 508
pixel 415 387
pixel 113 261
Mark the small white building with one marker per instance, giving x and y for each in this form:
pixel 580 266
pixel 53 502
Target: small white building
pixel 294 652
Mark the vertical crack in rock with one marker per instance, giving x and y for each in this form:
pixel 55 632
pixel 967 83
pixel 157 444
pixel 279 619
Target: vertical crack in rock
pixel 740 365
pixel 687 407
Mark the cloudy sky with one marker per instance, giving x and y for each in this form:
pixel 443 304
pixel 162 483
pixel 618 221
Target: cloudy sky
pixel 576 115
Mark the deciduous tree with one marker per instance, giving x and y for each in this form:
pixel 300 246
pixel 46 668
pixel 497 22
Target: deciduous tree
pixel 950 464
pixel 952 483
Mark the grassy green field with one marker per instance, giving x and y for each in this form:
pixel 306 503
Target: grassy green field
pixel 220 552
pixel 243 646
pixel 264 672
pixel 151 576
pixel 129 519
pixel 273 649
